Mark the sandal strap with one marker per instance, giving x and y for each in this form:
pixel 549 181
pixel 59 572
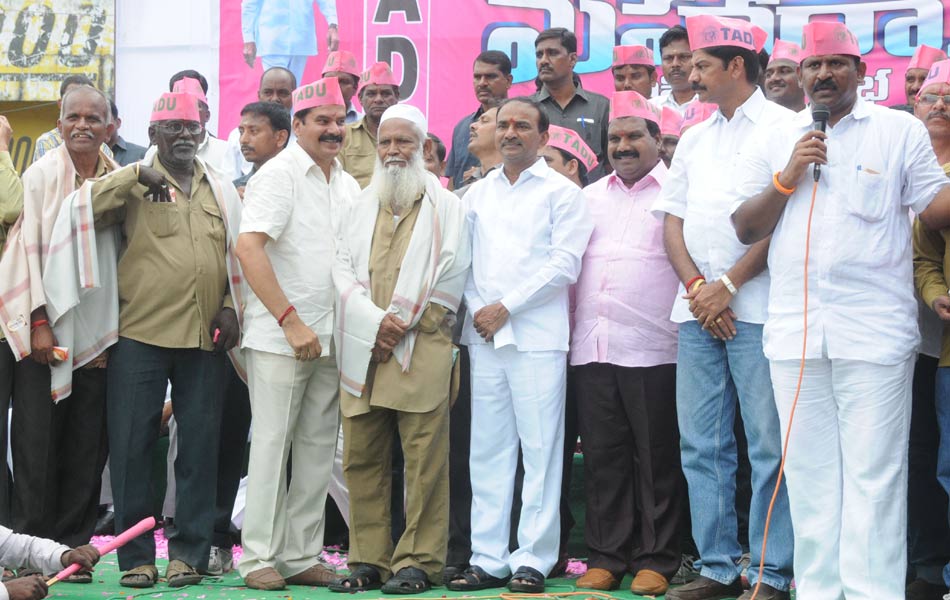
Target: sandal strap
pixel 475 574
pixel 528 574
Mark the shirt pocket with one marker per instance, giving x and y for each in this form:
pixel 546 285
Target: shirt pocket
pixel 215 222
pixel 868 201
pixel 162 218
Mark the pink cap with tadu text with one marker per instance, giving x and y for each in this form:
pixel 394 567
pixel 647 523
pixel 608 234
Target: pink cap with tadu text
pixel 939 73
pixel 633 55
pixel 708 30
pixel 925 56
pixel 821 38
pixel 570 141
pixel 342 61
pixel 190 85
pixel 631 104
pixel 378 74
pixel 695 113
pixel 789 51
pixel 175 106
pixel 670 122
pixel 322 92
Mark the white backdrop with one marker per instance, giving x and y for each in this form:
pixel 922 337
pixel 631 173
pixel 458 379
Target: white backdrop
pixel 154 40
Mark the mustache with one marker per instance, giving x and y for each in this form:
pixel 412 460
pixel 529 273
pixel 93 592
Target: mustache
pixel 936 114
pixel 188 145
pixel 329 137
pixel 698 88
pixel 827 84
pixel 246 148
pixel 625 154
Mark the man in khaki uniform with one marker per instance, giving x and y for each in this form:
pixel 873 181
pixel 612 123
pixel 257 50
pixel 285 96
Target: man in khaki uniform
pixel 176 318
pixel 378 91
pixel 401 264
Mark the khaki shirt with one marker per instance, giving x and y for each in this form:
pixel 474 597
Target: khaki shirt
pixel 173 276
pixel 359 152
pixel 426 385
pixel 11 197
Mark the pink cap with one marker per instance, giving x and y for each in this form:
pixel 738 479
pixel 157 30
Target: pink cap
pixel 175 106
pixel 633 55
pixel 322 92
pixel 695 113
pixel 820 38
pixel 708 30
pixel 378 74
pixel 342 61
pixel 670 122
pixel 569 141
pixel 631 104
pixel 190 85
pixel 925 56
pixel 783 50
pixel 939 73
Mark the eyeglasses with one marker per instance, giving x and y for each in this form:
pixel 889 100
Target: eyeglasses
pixel 176 127
pixel 932 99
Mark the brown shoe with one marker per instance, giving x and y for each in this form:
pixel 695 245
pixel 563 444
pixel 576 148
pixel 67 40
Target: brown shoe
pixel 767 592
pixel 317 574
pixel 267 579
pixel 704 588
pixel 597 579
pixel 649 583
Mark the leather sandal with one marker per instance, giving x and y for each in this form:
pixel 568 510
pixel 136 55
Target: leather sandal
pixel 142 576
pixel 409 580
pixel 179 574
pixel 527 581
pixel 360 579
pixel 475 578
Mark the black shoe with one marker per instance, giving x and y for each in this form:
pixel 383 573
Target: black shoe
pixel 919 589
pixel 766 592
pixel 704 588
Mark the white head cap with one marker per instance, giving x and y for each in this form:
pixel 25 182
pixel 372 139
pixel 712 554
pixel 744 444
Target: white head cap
pixel 409 113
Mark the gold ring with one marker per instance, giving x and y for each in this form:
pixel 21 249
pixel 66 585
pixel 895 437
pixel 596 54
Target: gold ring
pixel 719 320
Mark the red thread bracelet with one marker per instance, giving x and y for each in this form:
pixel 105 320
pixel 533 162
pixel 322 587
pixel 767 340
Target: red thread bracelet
pixel 38 323
pixel 280 319
pixel 689 284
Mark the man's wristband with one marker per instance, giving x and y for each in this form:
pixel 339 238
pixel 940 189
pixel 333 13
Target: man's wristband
pixel 280 319
pixel 781 188
pixel 693 281
pixel 729 285
pixel 38 323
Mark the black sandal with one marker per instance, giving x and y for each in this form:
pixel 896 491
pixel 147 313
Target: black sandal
pixel 409 580
pixel 360 579
pixel 527 581
pixel 476 579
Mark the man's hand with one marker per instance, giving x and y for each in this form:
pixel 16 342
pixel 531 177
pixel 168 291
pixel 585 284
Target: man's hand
pixel 333 38
pixel 391 331
pixel 99 362
pixel 708 301
pixel 379 355
pixel 167 411
pixel 250 53
pixel 723 327
pixel 810 149
pixel 42 341
pixel 489 320
pixel 6 134
pixel 87 556
pixel 26 588
pixel 156 184
pixel 301 338
pixel 227 323
pixel 941 306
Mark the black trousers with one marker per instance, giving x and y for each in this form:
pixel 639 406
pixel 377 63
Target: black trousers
pixel 232 451
pixel 59 451
pixel 7 363
pixel 138 376
pixel 460 483
pixel 928 538
pixel 632 474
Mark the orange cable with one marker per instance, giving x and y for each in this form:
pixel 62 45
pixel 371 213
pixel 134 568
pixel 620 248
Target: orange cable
pixel 791 416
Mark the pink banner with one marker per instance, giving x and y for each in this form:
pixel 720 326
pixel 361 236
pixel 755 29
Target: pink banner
pixel 431 44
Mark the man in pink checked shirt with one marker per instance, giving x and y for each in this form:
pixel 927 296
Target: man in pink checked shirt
pixel 623 350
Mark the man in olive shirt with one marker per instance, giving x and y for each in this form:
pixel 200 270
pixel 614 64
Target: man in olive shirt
pixel 378 91
pixel 176 318
pixel 400 270
pixel 11 203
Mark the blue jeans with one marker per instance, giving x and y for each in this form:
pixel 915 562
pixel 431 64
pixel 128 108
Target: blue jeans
pixel 711 376
pixel 943 455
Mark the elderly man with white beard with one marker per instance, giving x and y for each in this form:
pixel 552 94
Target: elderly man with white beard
pixel 402 260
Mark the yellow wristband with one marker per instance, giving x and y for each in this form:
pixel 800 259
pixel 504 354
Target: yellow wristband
pixel 696 284
pixel 781 188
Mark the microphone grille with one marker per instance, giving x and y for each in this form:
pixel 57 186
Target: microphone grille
pixel 820 112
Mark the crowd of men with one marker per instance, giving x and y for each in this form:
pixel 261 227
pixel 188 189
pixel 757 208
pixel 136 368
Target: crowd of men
pixel 705 287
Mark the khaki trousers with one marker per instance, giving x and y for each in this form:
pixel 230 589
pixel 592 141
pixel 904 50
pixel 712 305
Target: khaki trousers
pixel 294 404
pixel 367 467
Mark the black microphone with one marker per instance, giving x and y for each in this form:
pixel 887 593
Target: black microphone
pixel 820 115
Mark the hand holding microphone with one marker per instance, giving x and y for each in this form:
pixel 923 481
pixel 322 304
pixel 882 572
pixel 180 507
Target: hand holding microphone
pixel 810 149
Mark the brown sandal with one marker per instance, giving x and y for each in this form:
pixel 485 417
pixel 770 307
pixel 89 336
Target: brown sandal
pixel 179 574
pixel 143 576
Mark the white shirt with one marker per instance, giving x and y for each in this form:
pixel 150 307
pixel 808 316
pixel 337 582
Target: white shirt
pixel 291 201
pixel 669 100
pixel 18 550
pixel 861 303
pixel 527 243
pixel 700 189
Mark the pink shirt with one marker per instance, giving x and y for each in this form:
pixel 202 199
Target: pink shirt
pixel 626 288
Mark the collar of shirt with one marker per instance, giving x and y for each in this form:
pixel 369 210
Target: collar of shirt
pixel 305 163
pixel 668 99
pixel 102 167
pixel 751 109
pixel 119 143
pixel 544 94
pixel 361 124
pixel 858 111
pixel 540 169
pixel 657 176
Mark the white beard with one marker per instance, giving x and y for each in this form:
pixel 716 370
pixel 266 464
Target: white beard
pixel 398 187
